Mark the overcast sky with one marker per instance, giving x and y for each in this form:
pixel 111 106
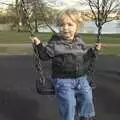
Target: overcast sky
pixel 6 1
pixel 66 3
pixel 60 4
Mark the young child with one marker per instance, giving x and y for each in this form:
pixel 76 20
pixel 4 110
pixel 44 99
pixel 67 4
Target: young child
pixel 70 61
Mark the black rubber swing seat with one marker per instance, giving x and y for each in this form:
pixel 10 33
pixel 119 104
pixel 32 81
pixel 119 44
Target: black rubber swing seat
pixel 45 89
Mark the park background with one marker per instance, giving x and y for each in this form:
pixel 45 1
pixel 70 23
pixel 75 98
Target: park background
pixel 18 97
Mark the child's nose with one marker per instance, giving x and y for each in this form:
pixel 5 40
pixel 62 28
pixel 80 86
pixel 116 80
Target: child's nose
pixel 66 27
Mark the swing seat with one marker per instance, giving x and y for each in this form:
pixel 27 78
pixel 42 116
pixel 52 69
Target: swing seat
pixel 46 88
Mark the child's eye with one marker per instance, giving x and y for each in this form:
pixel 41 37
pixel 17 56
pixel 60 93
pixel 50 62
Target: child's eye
pixel 69 24
pixel 62 24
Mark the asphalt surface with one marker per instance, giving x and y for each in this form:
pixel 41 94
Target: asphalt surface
pixel 20 101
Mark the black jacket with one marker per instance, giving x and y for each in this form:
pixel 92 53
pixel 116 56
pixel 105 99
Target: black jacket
pixel 70 59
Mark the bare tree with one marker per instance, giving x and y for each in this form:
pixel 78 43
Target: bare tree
pixel 18 18
pixel 103 11
pixel 44 13
pixel 41 13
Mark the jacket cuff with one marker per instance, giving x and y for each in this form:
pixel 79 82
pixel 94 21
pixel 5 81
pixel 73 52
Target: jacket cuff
pixel 39 46
pixel 92 52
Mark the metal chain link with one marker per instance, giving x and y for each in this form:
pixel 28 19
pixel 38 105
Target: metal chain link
pixel 37 61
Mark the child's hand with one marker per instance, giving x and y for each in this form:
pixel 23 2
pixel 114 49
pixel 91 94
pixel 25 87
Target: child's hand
pixel 98 46
pixel 35 40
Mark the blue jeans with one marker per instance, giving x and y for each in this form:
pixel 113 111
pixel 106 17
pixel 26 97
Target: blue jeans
pixel 67 89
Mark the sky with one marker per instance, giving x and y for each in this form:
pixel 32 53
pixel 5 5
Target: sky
pixel 66 3
pixel 6 1
pixel 60 4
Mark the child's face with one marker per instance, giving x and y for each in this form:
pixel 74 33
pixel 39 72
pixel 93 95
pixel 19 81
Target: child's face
pixel 67 28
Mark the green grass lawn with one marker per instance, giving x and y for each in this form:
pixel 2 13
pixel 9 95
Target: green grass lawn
pixel 23 37
pixel 112 50
pixel 107 38
pixel 8 37
pixel 20 37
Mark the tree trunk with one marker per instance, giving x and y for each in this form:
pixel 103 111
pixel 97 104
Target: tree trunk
pixel 99 34
pixel 36 25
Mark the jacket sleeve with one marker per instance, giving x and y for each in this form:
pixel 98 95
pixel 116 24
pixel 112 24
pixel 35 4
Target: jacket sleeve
pixel 46 52
pixel 89 51
pixel 90 54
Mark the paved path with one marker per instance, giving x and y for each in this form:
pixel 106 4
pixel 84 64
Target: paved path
pixel 20 101
pixel 16 45
pixel 30 45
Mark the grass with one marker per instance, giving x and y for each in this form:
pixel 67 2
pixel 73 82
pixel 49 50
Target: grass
pixel 23 37
pixel 112 50
pixel 8 37
pixel 3 49
pixel 107 38
pixel 20 37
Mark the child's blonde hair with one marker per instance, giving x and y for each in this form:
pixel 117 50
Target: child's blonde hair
pixel 75 16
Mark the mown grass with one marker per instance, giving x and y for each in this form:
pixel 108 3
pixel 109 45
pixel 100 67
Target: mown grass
pixel 23 37
pixel 106 38
pixel 111 50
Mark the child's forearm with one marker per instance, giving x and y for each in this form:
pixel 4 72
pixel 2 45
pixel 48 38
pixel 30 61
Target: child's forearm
pixel 44 52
